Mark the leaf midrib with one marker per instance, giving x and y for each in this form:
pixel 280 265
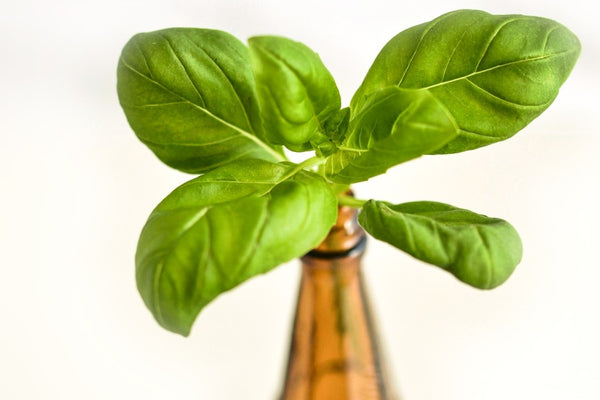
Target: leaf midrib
pixel 475 73
pixel 244 133
pixel 160 266
pixel 275 57
pixel 237 95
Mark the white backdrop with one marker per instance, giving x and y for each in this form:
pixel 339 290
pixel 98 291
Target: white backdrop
pixel 77 186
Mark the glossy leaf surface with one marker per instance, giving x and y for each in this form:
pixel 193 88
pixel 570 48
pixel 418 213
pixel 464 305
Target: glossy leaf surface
pixel 189 95
pixel 394 126
pixel 224 227
pixel 479 250
pixel 296 91
pixel 495 73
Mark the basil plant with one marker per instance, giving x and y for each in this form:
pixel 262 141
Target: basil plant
pixel 206 104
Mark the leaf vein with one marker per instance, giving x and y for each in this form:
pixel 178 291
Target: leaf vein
pixel 244 133
pixel 513 103
pixel 418 46
pixel 507 64
pixel 189 144
pixel 185 68
pixel 454 49
pixel 250 255
pixel 237 95
pixel 488 264
pixel 491 40
pixel 144 58
pixel 548 37
pixel 297 75
pixel 160 267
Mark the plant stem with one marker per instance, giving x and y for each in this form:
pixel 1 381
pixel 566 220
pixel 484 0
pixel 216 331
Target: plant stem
pixel 350 149
pixel 309 163
pixel 279 156
pixel 350 201
pixel 306 164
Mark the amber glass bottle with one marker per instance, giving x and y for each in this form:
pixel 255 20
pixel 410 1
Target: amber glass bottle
pixel 334 353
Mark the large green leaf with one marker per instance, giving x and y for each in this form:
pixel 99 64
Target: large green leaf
pixel 296 91
pixel 395 125
pixel 478 250
pixel 189 95
pixel 224 227
pixel 495 73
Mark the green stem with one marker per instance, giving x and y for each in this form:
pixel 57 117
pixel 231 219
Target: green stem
pixel 280 157
pixel 306 164
pixel 350 149
pixel 310 162
pixel 350 201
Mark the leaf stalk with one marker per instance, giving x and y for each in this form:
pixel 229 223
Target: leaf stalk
pixel 345 200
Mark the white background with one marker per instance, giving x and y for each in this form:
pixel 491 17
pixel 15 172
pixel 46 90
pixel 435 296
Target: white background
pixel 76 188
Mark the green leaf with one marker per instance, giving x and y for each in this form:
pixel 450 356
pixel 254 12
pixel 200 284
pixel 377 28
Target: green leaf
pixel 495 73
pixel 296 91
pixel 224 227
pixel 336 126
pixel 189 95
pixel 395 125
pixel 478 250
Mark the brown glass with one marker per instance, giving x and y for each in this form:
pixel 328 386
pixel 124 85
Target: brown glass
pixel 334 353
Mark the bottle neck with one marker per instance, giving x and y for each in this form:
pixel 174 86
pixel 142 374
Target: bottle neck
pixel 345 239
pixel 334 353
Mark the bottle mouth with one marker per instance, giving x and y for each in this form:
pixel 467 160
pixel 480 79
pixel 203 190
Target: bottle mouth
pixel 356 249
